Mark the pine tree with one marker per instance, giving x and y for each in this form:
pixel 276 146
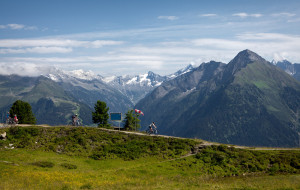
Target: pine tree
pixel 132 121
pixel 23 112
pixel 100 115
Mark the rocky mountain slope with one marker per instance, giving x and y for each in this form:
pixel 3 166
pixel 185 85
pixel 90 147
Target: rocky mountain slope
pixel 248 102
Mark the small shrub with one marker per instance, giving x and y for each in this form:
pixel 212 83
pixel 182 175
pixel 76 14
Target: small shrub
pixel 43 164
pixel 98 155
pixel 198 155
pixel 295 163
pixel 69 166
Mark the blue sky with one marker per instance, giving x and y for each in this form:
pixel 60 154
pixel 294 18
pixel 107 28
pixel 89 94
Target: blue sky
pixel 117 37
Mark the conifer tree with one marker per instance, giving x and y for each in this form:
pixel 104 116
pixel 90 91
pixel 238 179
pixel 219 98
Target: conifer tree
pixel 100 115
pixel 23 112
pixel 132 121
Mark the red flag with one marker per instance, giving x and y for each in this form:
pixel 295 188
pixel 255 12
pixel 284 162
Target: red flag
pixel 138 111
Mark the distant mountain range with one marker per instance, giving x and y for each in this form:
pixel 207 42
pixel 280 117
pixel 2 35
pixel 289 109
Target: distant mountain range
pixel 248 101
pixel 56 96
pixel 87 88
pixel 138 86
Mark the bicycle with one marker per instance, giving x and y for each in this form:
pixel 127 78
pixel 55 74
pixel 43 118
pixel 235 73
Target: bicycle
pixel 73 123
pixel 10 122
pixel 154 131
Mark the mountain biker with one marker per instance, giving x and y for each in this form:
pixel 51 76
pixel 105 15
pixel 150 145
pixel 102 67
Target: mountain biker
pixel 152 126
pixel 16 119
pixel 8 118
pixel 75 120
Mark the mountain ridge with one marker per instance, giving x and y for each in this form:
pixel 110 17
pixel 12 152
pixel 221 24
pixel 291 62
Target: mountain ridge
pixel 245 100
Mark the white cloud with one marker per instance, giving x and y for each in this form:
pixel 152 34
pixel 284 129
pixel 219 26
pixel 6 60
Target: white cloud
pixel 56 42
pixel 24 69
pixel 208 15
pixel 284 14
pixel 157 55
pixel 15 26
pixel 265 44
pixel 100 43
pixel 242 15
pixel 31 28
pixel 245 15
pixel 267 36
pixel 219 43
pixel 168 17
pixel 256 15
pixel 49 50
pixel 18 27
pixel 40 50
pixel 279 56
pixel 168 57
pixel 9 46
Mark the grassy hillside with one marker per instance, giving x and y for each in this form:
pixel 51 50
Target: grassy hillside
pixel 95 143
pixel 89 158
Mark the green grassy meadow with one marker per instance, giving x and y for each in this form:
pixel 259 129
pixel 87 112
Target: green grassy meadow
pixel 47 162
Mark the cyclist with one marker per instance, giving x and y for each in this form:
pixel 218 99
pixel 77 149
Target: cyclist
pixel 8 118
pixel 75 120
pixel 152 128
pixel 16 119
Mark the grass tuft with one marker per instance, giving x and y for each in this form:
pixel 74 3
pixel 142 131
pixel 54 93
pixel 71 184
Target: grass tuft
pixel 69 166
pixel 44 164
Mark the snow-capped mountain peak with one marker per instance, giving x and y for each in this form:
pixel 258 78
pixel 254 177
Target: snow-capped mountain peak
pixel 148 79
pixel 109 79
pixel 285 65
pixel 134 87
pixel 187 69
pixel 84 75
pixel 58 75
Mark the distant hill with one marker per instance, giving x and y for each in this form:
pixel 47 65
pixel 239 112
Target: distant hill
pixel 248 102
